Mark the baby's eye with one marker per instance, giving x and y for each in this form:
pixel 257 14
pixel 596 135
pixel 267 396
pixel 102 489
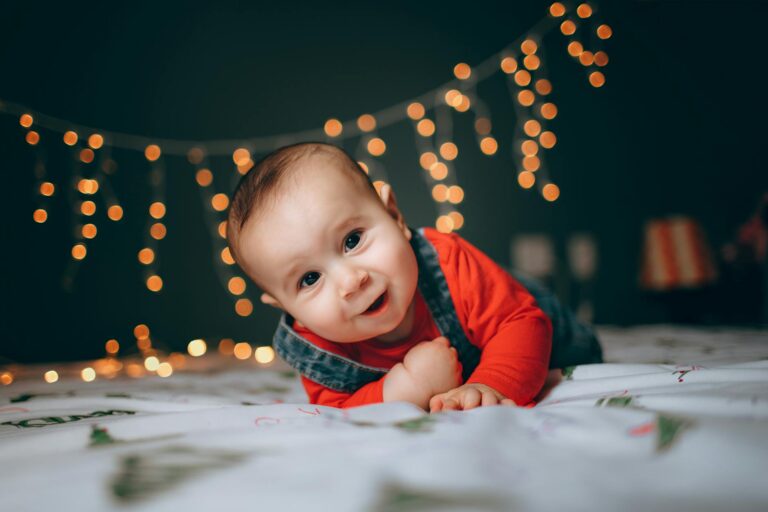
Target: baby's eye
pixel 309 279
pixel 352 240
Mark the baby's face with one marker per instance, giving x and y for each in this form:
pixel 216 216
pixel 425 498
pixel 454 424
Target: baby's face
pixel 333 255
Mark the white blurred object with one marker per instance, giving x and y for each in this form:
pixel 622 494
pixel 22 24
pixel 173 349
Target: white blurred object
pixel 582 256
pixel 533 255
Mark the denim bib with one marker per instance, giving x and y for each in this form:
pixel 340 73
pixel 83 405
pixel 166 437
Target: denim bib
pixel 573 343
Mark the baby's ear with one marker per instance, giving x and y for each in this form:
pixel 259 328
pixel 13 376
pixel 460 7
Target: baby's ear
pixel 387 196
pixel 271 301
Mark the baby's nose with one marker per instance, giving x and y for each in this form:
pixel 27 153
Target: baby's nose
pixel 352 281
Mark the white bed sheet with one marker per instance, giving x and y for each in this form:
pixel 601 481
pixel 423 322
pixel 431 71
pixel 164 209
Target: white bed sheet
pixel 632 434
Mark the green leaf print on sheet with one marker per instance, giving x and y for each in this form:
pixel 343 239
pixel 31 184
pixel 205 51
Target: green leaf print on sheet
pixel 144 474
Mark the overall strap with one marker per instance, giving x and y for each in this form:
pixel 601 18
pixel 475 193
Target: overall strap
pixel 331 370
pixel 434 289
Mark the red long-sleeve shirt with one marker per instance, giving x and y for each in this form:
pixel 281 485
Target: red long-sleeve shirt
pixel 497 314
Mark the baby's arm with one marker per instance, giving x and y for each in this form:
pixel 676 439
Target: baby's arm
pixel 429 368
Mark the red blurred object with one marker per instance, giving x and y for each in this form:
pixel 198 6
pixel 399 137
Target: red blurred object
pixel 676 256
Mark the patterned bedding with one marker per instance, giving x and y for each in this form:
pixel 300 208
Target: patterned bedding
pixel 677 419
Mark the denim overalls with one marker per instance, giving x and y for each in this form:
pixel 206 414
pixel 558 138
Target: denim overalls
pixel 572 342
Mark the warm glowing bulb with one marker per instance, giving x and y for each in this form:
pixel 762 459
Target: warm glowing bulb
pixel 115 212
pixel 151 363
pixel 264 355
pixel 444 224
pixel 195 156
pixel 439 171
pixel 226 347
pixel 241 156
pixel 526 179
pixel 483 126
pixel 440 193
pixel 158 231
pixel 157 210
pixel 532 128
pixel 6 378
pixel 152 152
pixel 204 177
pixel 416 111
pixel 526 98
pixel 154 283
pixel 557 9
pixel 458 220
pixel 197 348
pixel 522 78
pixel 164 369
pixel 531 163
pixel 236 285
pixel 584 11
pixel 146 256
pixel 568 28
pixel 548 140
pixel 601 58
pixel 489 146
pixel 550 192
pixel 548 110
pixel 427 160
pixel 462 71
pixel 219 202
pixel 597 79
pixel 26 120
pixel 32 138
pixel 243 350
pixel 508 65
pixel 222 229
pixel 89 231
pixel 366 122
pixel 96 141
pixel 376 146
pixel 79 251
pixel 604 32
pixel 86 155
pixel 529 47
pixel 455 194
pixel 40 215
pixel 529 147
pixel 226 256
pixel 70 138
pixel 51 376
pixel 449 150
pixel 112 346
pixel 425 127
pixel 88 374
pixel 333 127
pixel 543 86
pixel 47 188
pixel 243 307
pixel 141 332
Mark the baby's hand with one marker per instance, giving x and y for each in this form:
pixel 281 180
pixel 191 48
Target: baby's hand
pixel 468 397
pixel 434 365
pixel 428 368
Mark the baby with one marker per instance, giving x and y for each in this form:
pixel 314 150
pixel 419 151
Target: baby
pixel 375 311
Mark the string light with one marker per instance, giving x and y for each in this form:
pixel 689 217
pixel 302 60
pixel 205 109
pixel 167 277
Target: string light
pixel 584 11
pixel 32 138
pixel 444 224
pixel 88 374
pixel 87 155
pixel 243 350
pixel 226 347
pixel 604 32
pixel 483 126
pixel 243 307
pixel 204 177
pixel 40 215
pixel 95 141
pixel 416 111
pixel 526 179
pixel 547 140
pixel 548 110
pixel 236 285
pixel 568 28
pixel 586 58
pixel 601 58
pixel 51 376
pixel 522 78
pixel 241 156
pixel 112 347
pixel 439 171
pixel 79 251
pixel 366 123
pixel 543 86
pixel 151 363
pixel 26 120
pixel 426 127
pixel 550 192
pixel 115 212
pixel 508 65
pixel 532 128
pixel 457 219
pixel 220 202
pixel 70 138
pixel 449 150
pixel 529 47
pixel 158 231
pixel 197 348
pixel 152 152
pixel 427 160
pixel 264 355
pixel 154 283
pixel 596 79
pixel 557 9
pixel 462 71
pixel 489 146
pixel 146 256
pixel 376 146
pixel 164 369
pixel 333 128
pixel 226 256
pixel 529 147
pixel 6 378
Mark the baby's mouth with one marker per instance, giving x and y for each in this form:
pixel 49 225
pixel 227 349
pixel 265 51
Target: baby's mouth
pixel 377 304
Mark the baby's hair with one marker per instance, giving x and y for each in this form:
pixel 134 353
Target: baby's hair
pixel 262 182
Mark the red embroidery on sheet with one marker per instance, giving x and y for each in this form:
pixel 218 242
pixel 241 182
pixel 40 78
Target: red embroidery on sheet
pixel 13 409
pixel 642 430
pixel 316 412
